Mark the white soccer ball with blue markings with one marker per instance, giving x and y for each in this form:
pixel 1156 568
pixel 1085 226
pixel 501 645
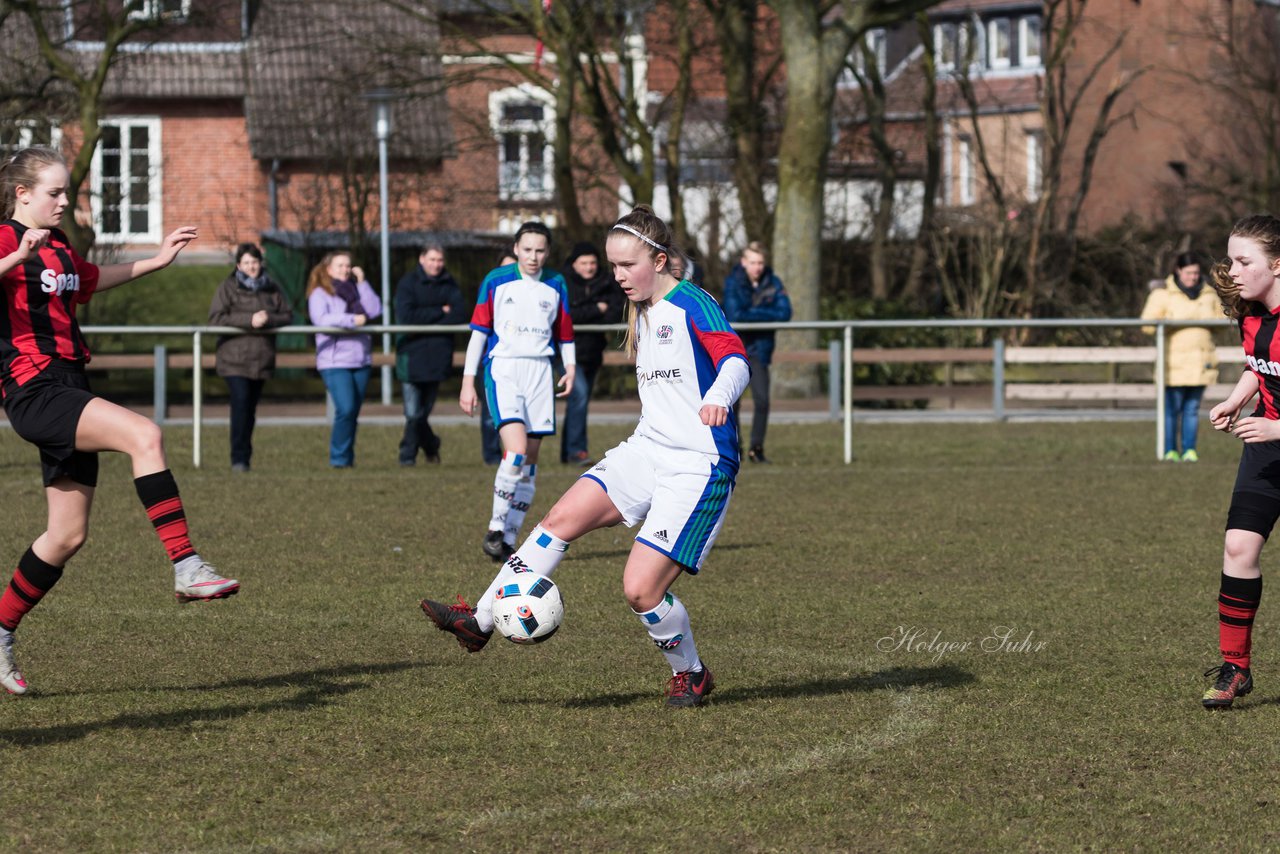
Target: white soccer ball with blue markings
pixel 528 610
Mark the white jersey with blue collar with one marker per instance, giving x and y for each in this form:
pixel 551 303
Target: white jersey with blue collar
pixel 522 318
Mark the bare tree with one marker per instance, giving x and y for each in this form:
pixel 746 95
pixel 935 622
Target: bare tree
pixel 816 39
pixel 747 82
pixel 1078 109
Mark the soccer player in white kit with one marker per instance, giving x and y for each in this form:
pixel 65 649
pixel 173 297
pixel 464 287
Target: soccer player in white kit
pixel 675 473
pixel 521 317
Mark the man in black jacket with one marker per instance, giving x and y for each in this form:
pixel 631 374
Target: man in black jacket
pixel 427 295
pixel 594 297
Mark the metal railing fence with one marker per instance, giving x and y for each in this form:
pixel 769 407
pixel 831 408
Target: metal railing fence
pixel 841 376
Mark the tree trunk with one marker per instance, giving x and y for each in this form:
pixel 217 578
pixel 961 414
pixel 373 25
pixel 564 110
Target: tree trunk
pixel 802 159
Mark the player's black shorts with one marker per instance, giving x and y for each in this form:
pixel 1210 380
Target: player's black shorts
pixel 45 411
pixel 1255 501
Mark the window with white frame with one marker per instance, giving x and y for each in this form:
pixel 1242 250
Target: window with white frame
pixel 522 122
pixel 999 43
pixel 964 170
pixel 126 181
pixel 15 136
pixel 1033 165
pixel 944 46
pixel 1029 41
pixel 168 10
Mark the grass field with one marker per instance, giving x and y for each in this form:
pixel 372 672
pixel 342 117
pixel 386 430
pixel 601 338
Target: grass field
pixel 318 711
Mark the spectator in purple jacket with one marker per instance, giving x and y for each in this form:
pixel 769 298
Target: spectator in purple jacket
pixel 338 295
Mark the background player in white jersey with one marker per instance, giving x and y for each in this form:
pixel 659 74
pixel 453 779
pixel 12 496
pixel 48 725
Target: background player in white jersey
pixel 521 316
pixel 675 473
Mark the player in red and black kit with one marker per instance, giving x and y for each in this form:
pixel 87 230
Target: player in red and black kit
pixel 48 401
pixel 1249 286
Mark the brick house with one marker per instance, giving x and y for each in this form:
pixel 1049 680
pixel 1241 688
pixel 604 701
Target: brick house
pixel 1150 161
pixel 247 118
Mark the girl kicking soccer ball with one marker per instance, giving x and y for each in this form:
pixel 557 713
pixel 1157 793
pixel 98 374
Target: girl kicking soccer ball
pixel 1250 289
pixel 675 473
pixel 47 397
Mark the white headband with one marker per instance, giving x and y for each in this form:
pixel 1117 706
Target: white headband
pixel 631 230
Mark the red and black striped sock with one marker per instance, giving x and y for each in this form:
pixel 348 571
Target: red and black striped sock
pixel 1237 605
pixel 159 494
pixel 31 581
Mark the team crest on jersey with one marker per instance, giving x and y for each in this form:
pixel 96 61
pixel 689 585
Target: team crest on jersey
pixel 545 305
pixel 664 334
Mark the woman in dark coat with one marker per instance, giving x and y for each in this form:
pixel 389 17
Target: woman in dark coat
pixel 249 299
pixel 427 295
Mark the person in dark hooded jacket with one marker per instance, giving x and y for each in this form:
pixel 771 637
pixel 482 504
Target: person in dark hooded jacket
pixel 594 297
pixel 426 295
pixel 753 294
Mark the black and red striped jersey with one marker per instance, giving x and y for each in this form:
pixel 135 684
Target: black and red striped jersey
pixel 1262 355
pixel 38 323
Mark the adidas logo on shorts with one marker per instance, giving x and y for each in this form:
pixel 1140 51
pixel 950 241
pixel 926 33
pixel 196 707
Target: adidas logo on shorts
pixel 662 535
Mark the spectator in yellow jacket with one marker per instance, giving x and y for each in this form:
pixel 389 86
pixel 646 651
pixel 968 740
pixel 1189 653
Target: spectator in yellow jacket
pixel 1191 360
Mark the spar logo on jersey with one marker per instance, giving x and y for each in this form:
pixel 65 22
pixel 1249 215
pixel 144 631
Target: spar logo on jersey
pixel 59 283
pixel 1267 369
pixel 671 376
pixel 665 333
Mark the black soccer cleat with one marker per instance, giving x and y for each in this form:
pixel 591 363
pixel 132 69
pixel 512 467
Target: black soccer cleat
pixel 1232 681
pixel 494 547
pixel 458 620
pixel 688 689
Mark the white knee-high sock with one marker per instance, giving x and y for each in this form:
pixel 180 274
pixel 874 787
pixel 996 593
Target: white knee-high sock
pixel 520 503
pixel 541 553
pixel 668 625
pixel 510 470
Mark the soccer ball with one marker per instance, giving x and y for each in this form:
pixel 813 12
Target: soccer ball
pixel 528 610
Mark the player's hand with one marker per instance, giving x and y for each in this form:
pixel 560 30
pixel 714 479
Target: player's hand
pixel 175 242
pixel 566 381
pixel 1223 416
pixel 467 399
pixel 1251 430
pixel 29 245
pixel 713 416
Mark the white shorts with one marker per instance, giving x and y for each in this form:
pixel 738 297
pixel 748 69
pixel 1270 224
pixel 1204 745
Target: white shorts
pixel 522 391
pixel 681 496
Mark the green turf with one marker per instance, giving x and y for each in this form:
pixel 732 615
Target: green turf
pixel 318 711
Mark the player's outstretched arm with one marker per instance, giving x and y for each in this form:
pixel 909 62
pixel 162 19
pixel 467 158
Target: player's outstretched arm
pixel 117 274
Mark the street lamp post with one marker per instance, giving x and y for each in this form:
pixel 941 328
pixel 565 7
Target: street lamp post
pixel 381 100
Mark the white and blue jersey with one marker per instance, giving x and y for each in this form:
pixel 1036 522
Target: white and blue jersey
pixel 676 474
pixel 522 318
pixel 681 343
